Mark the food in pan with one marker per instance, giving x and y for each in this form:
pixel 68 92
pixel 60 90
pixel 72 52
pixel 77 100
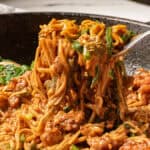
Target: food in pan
pixel 76 95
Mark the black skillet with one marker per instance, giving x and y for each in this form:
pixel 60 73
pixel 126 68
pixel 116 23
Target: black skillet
pixel 19 34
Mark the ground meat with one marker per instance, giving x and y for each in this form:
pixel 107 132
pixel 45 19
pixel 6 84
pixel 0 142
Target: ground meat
pixel 21 84
pixel 138 93
pixel 11 85
pixel 69 121
pixel 136 143
pixel 142 114
pixel 141 78
pixel 57 66
pixel 51 135
pixel 100 143
pixel 14 101
pixel 18 88
pixel 16 84
pixel 104 143
pixel 3 101
pixel 92 129
pixel 108 141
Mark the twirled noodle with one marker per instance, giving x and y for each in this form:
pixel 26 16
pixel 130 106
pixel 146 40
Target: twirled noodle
pixel 76 94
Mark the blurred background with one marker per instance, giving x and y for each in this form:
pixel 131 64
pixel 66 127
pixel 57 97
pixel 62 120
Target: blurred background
pixel 131 9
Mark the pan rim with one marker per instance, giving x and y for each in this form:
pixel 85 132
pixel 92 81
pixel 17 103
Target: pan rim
pixel 78 14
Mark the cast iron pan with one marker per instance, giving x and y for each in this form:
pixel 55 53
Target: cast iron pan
pixel 19 34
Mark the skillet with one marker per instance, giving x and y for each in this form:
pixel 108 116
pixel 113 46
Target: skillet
pixel 19 35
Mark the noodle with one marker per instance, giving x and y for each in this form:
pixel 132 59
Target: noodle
pixel 77 94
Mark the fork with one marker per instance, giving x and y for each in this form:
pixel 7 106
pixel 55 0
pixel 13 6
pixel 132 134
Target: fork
pixel 137 56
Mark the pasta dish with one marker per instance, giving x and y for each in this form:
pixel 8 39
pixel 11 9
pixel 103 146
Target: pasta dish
pixel 76 95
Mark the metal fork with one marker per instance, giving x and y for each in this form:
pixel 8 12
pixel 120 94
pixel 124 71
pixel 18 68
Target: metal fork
pixel 137 53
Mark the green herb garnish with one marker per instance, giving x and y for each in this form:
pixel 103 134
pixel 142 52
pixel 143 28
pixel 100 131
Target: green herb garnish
pixel 95 79
pixel 2 80
pixel 111 74
pixel 97 21
pixel 22 138
pixel 67 109
pixel 77 46
pixel 127 126
pixel 7 72
pixel 1 59
pixel 1 68
pixel 131 134
pixel 74 147
pixel 86 54
pixel 109 41
pixel 24 68
pixel 32 65
pixel 121 67
pixel 85 31
pixel 127 36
